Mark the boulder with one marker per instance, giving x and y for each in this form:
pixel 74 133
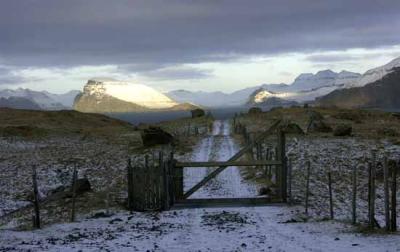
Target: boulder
pixel 343 130
pixel 197 113
pixel 318 126
pixel 155 135
pixel 82 185
pixel 255 110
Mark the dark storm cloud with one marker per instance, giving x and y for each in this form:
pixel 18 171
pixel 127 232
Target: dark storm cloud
pixel 154 34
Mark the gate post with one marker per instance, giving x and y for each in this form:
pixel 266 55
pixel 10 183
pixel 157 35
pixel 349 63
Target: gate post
pixel 282 172
pixel 178 180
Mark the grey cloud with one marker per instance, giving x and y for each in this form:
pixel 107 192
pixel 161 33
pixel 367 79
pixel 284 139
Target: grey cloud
pixel 8 77
pixel 154 34
pixel 322 58
pixel 178 73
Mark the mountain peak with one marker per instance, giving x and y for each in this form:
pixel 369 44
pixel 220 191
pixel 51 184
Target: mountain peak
pixel 326 74
pixel 121 96
pixel 304 76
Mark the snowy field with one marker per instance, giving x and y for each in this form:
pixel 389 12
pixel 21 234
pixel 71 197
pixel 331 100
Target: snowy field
pixel 210 229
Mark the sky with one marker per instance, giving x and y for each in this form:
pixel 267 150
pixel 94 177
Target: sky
pixel 207 45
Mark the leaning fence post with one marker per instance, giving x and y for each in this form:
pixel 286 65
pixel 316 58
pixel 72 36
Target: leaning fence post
pixel 307 185
pixel 330 195
pixel 73 187
pixel 393 226
pixel 36 219
pixel 386 193
pixel 354 198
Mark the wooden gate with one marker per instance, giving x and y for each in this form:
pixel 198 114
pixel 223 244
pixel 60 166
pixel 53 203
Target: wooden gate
pixel 150 185
pixel 159 185
pixel 182 198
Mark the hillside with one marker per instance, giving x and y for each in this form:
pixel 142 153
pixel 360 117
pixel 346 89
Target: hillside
pixel 33 123
pixel 381 94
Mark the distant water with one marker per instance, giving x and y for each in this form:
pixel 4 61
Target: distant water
pixel 150 117
pixel 156 117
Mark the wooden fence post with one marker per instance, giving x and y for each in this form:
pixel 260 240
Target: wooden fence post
pixel 267 167
pixel 36 219
pixel 371 194
pixel 354 198
pixel 171 179
pixel 73 187
pixel 290 181
pixel 178 181
pixel 281 174
pixel 330 195
pixel 307 185
pixel 386 193
pixel 166 182
pixel 130 184
pixel 393 225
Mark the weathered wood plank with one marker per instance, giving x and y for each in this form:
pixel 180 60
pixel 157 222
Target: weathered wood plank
pixel 226 202
pixel 227 164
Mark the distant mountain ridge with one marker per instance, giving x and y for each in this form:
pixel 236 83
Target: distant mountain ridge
pixel 18 103
pixel 305 87
pixel 42 100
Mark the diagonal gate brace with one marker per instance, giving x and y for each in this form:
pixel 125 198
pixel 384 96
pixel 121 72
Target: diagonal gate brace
pixel 233 158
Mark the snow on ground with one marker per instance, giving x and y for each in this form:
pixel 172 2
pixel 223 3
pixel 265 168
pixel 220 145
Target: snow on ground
pixel 268 228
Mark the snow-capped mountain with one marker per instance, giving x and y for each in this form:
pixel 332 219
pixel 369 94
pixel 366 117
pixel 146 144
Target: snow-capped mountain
pixel 108 95
pixel 306 86
pixel 380 94
pixel 375 74
pixel 43 99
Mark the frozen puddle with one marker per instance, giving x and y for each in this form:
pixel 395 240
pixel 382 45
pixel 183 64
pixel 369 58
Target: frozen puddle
pixel 219 146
